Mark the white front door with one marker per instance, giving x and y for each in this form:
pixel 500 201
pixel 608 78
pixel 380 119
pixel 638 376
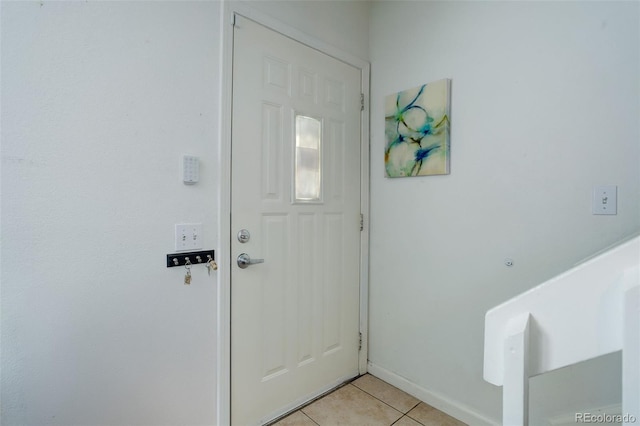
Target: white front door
pixel 296 191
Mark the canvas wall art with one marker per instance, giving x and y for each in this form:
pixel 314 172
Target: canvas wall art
pixel 417 131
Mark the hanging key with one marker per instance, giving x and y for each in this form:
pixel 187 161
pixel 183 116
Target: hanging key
pixel 187 276
pixel 211 264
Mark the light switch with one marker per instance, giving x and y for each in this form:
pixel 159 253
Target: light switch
pixel 605 199
pixel 188 236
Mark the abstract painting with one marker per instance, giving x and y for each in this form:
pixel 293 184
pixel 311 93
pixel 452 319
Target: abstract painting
pixel 417 131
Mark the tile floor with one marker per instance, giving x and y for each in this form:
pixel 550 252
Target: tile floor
pixel 368 401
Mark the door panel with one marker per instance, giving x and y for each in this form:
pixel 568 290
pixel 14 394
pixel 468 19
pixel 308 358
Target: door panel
pixel 295 317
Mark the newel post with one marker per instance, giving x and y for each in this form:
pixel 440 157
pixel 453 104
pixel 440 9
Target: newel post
pixel 631 356
pixel 515 390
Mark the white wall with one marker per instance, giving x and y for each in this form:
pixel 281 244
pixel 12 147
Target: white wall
pixel 545 105
pixel 99 102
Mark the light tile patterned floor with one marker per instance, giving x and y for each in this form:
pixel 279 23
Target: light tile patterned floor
pixel 368 401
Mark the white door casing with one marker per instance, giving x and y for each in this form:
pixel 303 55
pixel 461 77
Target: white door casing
pixel 295 319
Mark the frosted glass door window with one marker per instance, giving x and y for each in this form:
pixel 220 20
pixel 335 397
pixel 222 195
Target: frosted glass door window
pixel 308 172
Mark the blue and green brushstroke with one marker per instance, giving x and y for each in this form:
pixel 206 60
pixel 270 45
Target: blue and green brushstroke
pixel 417 131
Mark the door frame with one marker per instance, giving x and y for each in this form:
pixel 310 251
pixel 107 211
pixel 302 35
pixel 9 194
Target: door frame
pixel 223 341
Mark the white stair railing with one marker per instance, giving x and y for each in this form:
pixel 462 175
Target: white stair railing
pixel 588 311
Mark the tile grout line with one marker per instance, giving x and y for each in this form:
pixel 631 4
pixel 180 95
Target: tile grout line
pixel 352 382
pixel 378 399
pixel 366 393
pixel 309 417
pixel 403 414
pixel 308 403
pixel 406 415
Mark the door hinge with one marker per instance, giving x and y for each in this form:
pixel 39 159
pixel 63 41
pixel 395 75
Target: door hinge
pixel 361 222
pixel 361 101
pixel 360 343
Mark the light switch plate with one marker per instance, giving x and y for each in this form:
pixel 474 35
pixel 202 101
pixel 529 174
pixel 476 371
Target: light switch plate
pixel 605 199
pixel 188 236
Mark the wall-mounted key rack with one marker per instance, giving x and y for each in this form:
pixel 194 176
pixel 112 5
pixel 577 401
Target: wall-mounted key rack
pixel 195 258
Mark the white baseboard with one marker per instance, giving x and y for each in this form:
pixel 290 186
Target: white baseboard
pixel 570 419
pixel 442 403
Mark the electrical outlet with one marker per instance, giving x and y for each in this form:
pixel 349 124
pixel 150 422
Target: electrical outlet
pixel 188 236
pixel 605 199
